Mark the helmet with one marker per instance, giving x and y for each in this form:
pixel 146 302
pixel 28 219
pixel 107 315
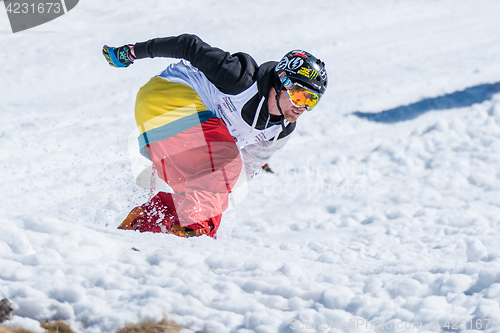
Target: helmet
pixel 302 67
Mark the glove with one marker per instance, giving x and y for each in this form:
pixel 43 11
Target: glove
pixel 118 56
pixel 266 168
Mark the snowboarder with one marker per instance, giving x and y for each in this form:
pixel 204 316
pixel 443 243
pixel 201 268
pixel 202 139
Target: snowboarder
pixel 207 118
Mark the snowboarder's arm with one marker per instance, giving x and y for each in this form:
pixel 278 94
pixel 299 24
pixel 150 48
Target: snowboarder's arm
pixel 256 155
pixel 230 73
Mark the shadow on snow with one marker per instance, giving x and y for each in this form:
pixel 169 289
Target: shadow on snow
pixel 458 99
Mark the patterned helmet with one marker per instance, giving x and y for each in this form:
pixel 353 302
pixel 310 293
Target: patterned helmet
pixel 302 67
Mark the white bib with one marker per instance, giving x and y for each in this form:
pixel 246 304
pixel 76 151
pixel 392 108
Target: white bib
pixel 226 107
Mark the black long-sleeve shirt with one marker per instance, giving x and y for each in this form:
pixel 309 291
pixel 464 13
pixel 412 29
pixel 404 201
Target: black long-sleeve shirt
pixel 230 73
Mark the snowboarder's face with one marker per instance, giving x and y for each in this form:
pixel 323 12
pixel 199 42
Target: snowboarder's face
pixel 290 111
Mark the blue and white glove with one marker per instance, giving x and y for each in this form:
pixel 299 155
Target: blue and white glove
pixel 118 56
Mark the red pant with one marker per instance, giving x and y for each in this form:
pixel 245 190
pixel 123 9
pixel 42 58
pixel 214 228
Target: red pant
pixel 202 165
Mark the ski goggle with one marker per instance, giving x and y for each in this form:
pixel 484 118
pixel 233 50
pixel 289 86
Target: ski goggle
pixel 302 96
pixel 299 95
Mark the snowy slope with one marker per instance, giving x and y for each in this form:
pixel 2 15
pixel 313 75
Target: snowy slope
pixel 385 206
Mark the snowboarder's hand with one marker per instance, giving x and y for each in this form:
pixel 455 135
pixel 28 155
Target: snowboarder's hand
pixel 266 168
pixel 119 56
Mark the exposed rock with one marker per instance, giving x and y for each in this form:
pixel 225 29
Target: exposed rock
pixel 5 310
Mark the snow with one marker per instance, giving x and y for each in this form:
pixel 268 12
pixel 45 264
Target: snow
pixel 384 207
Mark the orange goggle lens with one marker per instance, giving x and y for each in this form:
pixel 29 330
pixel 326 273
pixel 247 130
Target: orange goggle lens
pixel 302 96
